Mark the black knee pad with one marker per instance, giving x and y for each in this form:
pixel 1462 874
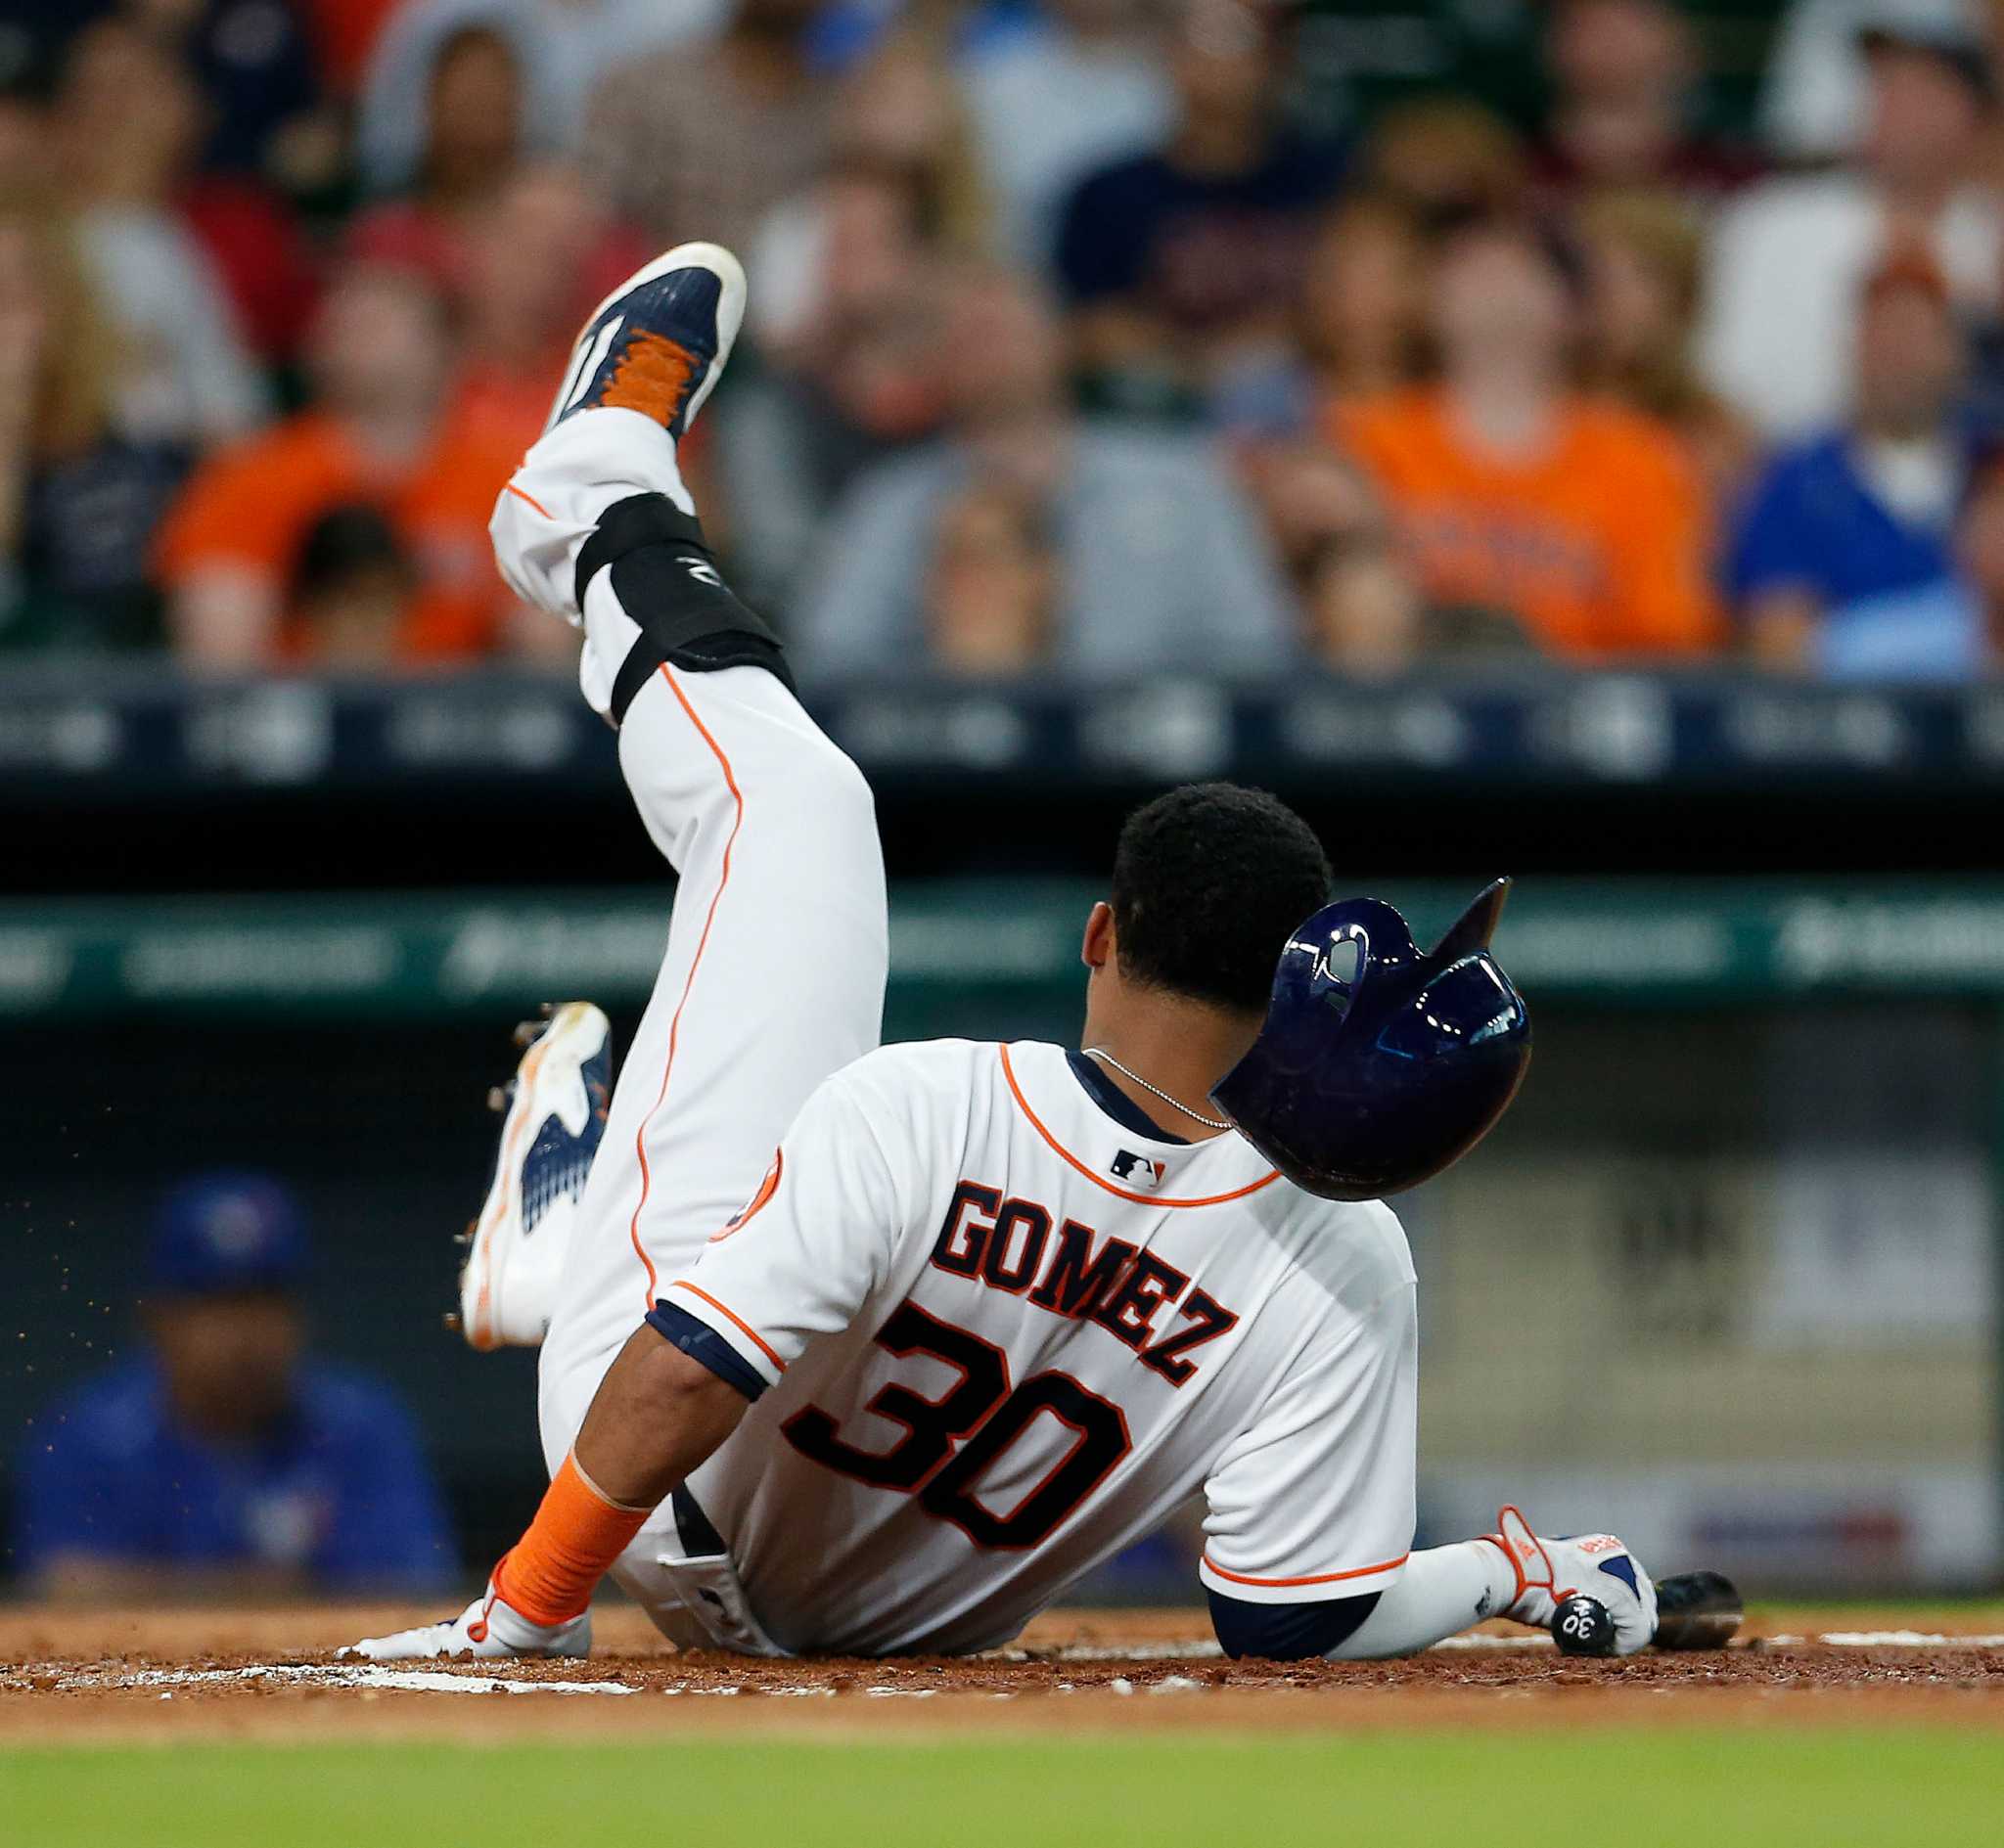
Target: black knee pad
pixel 667 581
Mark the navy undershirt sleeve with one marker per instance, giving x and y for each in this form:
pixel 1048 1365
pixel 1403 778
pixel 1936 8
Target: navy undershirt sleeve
pixel 702 1344
pixel 1287 1633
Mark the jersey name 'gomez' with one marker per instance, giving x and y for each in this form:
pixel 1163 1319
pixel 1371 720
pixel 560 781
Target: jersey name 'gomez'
pixel 1010 1244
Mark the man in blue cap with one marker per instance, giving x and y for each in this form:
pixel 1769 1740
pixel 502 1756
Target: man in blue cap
pixel 224 1460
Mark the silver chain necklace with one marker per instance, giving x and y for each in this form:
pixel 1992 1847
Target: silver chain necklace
pixel 1156 1091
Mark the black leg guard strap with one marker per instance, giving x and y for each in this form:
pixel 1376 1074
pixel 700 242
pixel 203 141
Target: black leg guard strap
pixel 667 581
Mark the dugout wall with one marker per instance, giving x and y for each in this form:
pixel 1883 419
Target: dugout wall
pixel 1726 1277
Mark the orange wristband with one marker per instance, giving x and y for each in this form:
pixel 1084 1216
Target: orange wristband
pixel 550 1573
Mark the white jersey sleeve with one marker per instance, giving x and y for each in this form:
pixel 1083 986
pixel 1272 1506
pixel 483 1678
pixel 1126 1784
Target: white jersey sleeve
pixel 806 1252
pixel 1317 1499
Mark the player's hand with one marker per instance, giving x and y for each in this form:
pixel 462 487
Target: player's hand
pixel 1598 1565
pixel 487 1628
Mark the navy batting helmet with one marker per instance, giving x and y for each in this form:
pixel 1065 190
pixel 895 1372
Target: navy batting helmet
pixel 1380 1066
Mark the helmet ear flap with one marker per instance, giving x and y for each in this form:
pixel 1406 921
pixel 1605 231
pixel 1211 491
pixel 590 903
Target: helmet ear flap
pixel 1474 928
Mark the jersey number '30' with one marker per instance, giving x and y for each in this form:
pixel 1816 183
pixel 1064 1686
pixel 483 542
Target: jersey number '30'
pixel 981 1408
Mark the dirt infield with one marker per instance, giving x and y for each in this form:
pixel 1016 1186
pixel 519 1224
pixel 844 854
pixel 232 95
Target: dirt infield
pixel 272 1674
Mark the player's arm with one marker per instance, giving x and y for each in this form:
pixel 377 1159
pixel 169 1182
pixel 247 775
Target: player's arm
pixel 1437 1594
pixel 1312 1510
pixel 797 1263
pixel 658 1416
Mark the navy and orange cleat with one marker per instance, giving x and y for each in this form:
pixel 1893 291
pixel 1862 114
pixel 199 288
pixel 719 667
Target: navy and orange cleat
pixel 600 500
pixel 659 341
pixel 554 1117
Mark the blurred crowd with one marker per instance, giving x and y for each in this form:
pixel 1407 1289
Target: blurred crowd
pixel 1085 334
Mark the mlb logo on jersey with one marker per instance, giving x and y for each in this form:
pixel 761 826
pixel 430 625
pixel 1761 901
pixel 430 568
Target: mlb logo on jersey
pixel 1128 1166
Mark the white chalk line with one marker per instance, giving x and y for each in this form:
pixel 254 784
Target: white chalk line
pixel 1483 1641
pixel 1205 1650
pixel 1900 1639
pixel 416 1681
pixel 378 1677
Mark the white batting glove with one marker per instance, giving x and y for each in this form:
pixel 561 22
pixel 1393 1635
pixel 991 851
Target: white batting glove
pixel 1598 1565
pixel 488 1628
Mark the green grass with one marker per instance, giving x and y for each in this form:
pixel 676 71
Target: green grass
pixel 1538 1788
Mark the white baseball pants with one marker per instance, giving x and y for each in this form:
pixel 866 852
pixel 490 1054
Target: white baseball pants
pixel 777 942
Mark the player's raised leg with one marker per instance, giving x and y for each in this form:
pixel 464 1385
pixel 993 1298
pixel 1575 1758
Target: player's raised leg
pixel 773 975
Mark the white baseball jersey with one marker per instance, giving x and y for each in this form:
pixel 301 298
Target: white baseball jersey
pixel 1003 1335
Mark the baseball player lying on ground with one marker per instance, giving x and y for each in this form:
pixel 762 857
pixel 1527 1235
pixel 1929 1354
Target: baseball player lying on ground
pixel 995 1311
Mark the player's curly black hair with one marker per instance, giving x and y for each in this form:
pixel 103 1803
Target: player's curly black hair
pixel 1207 882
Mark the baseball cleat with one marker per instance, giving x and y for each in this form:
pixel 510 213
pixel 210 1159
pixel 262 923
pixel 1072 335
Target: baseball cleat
pixel 554 1115
pixel 659 341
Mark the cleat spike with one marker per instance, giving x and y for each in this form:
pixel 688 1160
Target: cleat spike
pixel 453 1324
pixel 461 1240
pixel 507 1278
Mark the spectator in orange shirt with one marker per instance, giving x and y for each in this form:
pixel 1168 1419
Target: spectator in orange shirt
pixel 382 432
pixel 1513 490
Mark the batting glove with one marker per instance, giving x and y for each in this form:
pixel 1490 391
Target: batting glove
pixel 1598 1565
pixel 487 1628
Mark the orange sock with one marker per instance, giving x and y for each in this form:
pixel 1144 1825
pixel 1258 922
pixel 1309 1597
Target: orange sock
pixel 550 1573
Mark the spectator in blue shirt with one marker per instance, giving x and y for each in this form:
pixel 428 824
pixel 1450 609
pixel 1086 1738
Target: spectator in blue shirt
pixel 225 1459
pixel 1843 564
